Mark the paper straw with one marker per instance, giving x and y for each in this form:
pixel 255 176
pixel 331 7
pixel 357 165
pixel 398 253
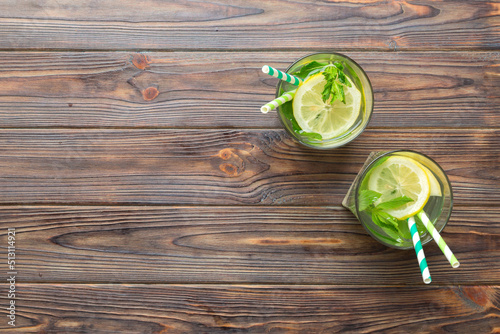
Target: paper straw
pixel 277 102
pixel 438 239
pixel 281 75
pixel 422 262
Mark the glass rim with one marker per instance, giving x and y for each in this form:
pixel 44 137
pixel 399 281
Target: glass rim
pixel 368 119
pixel 362 176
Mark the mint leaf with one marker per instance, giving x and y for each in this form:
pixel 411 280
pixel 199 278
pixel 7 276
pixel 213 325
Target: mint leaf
pixel 390 224
pixel 404 230
pixel 387 224
pixel 311 135
pixel 387 218
pixel 343 79
pixel 367 198
pixel 394 203
pixel 335 81
pixel 330 90
pixel 308 68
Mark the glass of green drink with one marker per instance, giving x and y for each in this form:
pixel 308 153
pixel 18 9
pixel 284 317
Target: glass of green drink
pixel 328 110
pixel 394 186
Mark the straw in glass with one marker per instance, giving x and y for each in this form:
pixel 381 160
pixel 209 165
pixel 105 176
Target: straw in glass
pixel 422 262
pixel 281 75
pixel 277 102
pixel 438 239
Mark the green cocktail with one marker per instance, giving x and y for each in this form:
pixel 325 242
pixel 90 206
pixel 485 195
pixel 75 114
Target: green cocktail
pixel 332 106
pixel 395 186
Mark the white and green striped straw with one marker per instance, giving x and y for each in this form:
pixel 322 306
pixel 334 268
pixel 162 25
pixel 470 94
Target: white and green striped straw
pixel 277 102
pixel 438 239
pixel 422 262
pixel 281 75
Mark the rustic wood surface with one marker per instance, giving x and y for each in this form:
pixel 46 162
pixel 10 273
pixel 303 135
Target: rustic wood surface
pixel 111 308
pixel 266 244
pixel 207 166
pixel 129 89
pixel 257 25
pixel 149 194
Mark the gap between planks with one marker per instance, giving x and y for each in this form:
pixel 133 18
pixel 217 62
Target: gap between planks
pixel 273 284
pixel 180 206
pixel 218 50
pixel 224 128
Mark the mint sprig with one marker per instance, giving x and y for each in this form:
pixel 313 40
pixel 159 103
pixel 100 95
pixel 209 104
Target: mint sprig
pixel 334 76
pixel 389 223
pixel 309 69
pixel 335 82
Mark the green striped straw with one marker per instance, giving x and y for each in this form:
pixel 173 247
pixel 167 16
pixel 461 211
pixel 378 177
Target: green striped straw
pixel 277 102
pixel 281 75
pixel 438 239
pixel 422 262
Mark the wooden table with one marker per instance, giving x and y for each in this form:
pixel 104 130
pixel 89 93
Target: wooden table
pixel 149 195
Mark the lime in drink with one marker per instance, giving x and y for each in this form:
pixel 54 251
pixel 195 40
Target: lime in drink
pixel 333 104
pixel 394 186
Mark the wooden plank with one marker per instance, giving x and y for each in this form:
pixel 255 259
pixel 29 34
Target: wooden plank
pixel 227 24
pixel 297 245
pixel 223 167
pixel 179 89
pixel 253 309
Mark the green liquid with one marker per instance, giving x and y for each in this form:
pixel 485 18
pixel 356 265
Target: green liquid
pixel 433 209
pixel 286 109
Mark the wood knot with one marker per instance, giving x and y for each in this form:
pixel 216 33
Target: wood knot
pixel 225 153
pixel 233 164
pixel 478 295
pixel 230 169
pixel 150 93
pixel 141 61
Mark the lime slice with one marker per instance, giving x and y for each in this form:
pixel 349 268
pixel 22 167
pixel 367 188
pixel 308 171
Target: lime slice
pixel 329 120
pixel 398 176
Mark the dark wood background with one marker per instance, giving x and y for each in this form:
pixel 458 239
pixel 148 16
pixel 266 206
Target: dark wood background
pixel 150 195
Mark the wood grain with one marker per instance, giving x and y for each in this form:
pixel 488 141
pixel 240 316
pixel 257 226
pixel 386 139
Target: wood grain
pixel 150 195
pixel 223 167
pixel 194 89
pixel 261 309
pixel 258 25
pixel 299 245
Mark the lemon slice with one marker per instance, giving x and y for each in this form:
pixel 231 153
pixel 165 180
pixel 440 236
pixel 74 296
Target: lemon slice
pixel 433 182
pixel 398 176
pixel 329 120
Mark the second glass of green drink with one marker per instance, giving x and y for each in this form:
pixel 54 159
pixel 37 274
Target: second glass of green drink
pixel 326 121
pixel 394 186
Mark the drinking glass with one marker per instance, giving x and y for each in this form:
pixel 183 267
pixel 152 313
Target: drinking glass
pixel 360 80
pixel 437 208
